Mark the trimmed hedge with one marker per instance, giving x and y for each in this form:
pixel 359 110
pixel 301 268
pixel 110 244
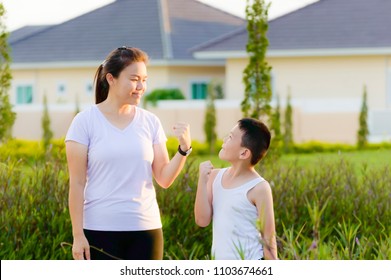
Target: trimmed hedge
pixel 163 94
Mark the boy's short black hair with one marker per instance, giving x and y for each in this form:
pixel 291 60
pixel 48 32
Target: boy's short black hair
pixel 256 137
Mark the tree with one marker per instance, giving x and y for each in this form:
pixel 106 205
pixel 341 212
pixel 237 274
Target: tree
pixel 7 116
pixel 363 131
pixel 214 90
pixel 288 125
pixel 47 134
pixel 276 142
pixel 256 76
pixel 276 120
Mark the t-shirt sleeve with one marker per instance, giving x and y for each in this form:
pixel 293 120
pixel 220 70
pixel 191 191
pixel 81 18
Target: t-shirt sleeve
pixel 78 131
pixel 160 136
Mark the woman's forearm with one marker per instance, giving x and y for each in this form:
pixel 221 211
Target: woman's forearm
pixel 76 205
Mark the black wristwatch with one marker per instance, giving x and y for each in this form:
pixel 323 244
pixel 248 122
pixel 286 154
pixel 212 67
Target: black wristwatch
pixel 184 153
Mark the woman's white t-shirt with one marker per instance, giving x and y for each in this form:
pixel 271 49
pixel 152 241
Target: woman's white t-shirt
pixel 119 193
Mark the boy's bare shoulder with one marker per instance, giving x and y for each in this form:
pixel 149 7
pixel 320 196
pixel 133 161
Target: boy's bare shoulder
pixel 262 187
pixel 214 173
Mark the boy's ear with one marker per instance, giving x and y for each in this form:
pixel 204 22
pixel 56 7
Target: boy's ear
pixel 245 153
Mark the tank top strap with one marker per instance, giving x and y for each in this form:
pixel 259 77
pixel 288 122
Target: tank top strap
pixel 248 185
pixel 220 174
pixel 252 183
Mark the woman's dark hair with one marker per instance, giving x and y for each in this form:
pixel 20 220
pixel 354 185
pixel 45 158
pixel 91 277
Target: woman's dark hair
pixel 256 137
pixel 114 63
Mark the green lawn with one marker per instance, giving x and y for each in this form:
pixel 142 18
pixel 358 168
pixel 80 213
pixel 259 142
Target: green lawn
pixel 370 159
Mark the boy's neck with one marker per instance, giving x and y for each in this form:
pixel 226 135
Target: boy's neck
pixel 241 170
pixel 236 176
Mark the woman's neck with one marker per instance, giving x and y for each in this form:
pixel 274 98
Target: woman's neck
pixel 113 108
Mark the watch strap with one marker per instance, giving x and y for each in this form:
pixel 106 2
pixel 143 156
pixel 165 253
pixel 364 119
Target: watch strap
pixel 183 153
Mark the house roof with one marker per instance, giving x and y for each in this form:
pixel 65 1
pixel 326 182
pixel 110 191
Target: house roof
pixel 165 29
pixel 323 25
pixel 24 32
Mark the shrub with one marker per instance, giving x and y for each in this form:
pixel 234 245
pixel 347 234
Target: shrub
pixel 34 211
pixel 163 94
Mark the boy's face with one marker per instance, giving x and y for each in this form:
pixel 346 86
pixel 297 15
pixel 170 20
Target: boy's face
pixel 232 146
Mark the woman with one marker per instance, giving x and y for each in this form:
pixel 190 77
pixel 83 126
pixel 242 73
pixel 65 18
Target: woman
pixel 114 150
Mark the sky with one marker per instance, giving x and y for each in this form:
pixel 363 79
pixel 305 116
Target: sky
pixel 20 13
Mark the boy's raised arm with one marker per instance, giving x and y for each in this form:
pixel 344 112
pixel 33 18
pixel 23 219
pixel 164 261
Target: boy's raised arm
pixel 203 204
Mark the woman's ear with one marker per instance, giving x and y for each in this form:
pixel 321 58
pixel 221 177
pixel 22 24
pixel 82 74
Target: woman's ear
pixel 109 78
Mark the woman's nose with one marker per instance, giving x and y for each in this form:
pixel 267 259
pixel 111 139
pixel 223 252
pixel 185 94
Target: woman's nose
pixel 140 85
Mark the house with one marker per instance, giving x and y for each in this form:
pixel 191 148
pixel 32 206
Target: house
pixel 60 61
pixel 322 55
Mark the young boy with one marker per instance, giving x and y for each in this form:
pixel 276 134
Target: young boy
pixel 237 198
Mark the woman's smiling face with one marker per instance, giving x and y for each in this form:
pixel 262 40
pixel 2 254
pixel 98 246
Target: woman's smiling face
pixel 131 84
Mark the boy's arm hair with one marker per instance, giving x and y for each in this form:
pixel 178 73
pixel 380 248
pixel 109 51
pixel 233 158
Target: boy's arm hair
pixel 263 200
pixel 203 209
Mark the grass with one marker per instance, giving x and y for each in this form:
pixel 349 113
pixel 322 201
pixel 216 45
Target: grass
pixel 376 159
pixel 327 206
pixel 361 161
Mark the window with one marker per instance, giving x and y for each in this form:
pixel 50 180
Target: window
pixel 89 88
pixel 61 89
pixel 199 90
pixel 24 94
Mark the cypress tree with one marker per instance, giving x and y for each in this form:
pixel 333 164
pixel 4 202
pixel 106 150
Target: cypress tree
pixel 363 131
pixel 210 116
pixel 7 116
pixel 47 132
pixel 288 125
pixel 276 143
pixel 256 76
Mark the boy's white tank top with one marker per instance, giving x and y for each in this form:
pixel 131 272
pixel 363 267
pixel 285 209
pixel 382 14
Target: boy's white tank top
pixel 235 233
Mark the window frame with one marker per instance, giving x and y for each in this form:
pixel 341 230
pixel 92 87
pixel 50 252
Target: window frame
pixel 23 85
pixel 199 83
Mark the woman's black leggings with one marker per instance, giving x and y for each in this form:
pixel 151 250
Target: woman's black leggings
pixel 125 245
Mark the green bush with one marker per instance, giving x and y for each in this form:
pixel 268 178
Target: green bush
pixel 163 94
pixel 24 150
pixel 30 151
pixel 319 147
